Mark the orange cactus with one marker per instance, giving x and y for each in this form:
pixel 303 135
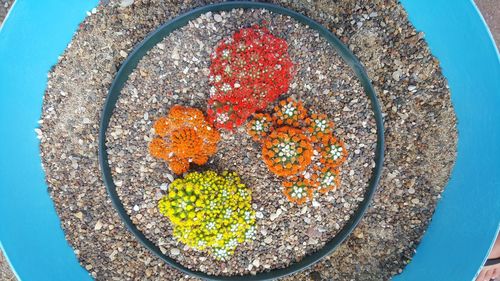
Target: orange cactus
pixel 298 190
pixel 319 126
pixel 333 151
pixel 287 151
pixel 259 126
pixel 288 143
pixel 289 112
pixel 184 137
pixel 158 148
pixel 178 165
pixel 326 179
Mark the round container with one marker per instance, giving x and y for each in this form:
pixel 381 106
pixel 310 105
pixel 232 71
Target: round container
pixel 155 37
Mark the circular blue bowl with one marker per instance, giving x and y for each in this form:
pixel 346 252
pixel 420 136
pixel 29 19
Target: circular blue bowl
pixel 461 231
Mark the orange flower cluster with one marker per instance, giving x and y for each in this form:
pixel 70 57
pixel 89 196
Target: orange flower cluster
pixel 333 152
pixel 184 137
pixel 319 126
pixel 300 147
pixel 289 112
pixel 287 151
pixel 325 179
pixel 298 190
pixel 259 126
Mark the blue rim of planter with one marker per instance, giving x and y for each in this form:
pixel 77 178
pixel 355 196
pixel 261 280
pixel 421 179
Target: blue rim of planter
pixel 155 37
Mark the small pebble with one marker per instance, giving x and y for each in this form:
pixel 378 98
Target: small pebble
pixel 169 177
pixel 126 3
pixel 164 186
pixel 98 225
pixel 175 251
pixel 217 18
pixel 259 215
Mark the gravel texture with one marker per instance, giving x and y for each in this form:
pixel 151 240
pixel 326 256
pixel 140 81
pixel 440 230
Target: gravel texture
pixel 419 120
pixel 176 72
pixel 491 14
pixel 6 273
pixel 4 9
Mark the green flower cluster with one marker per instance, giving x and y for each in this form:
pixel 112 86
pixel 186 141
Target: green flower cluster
pixel 210 211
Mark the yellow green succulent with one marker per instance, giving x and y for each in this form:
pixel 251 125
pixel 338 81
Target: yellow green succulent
pixel 210 212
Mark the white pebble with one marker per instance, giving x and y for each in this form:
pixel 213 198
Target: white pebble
pixel 175 54
pixel 316 204
pixel 126 3
pixel 164 186
pixel 275 215
pixel 136 208
pixel 217 18
pixel 38 133
pixel 259 215
pixel 98 225
pixel 170 177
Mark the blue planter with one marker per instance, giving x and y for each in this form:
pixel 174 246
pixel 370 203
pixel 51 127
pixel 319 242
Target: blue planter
pixel 466 219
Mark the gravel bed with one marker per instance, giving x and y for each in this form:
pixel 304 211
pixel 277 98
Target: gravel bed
pixel 4 9
pixel 5 271
pixel 419 121
pixel 176 72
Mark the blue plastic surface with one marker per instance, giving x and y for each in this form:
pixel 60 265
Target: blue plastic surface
pixel 33 36
pixel 466 219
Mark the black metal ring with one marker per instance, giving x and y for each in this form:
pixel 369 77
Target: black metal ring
pixel 155 37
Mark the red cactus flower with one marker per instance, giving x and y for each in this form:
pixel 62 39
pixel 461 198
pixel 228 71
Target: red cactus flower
pixel 253 68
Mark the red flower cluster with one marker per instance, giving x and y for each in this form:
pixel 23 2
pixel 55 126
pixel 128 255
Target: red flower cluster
pixel 248 70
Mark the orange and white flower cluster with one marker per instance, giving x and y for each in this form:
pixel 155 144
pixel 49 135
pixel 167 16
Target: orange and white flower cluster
pixel 299 147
